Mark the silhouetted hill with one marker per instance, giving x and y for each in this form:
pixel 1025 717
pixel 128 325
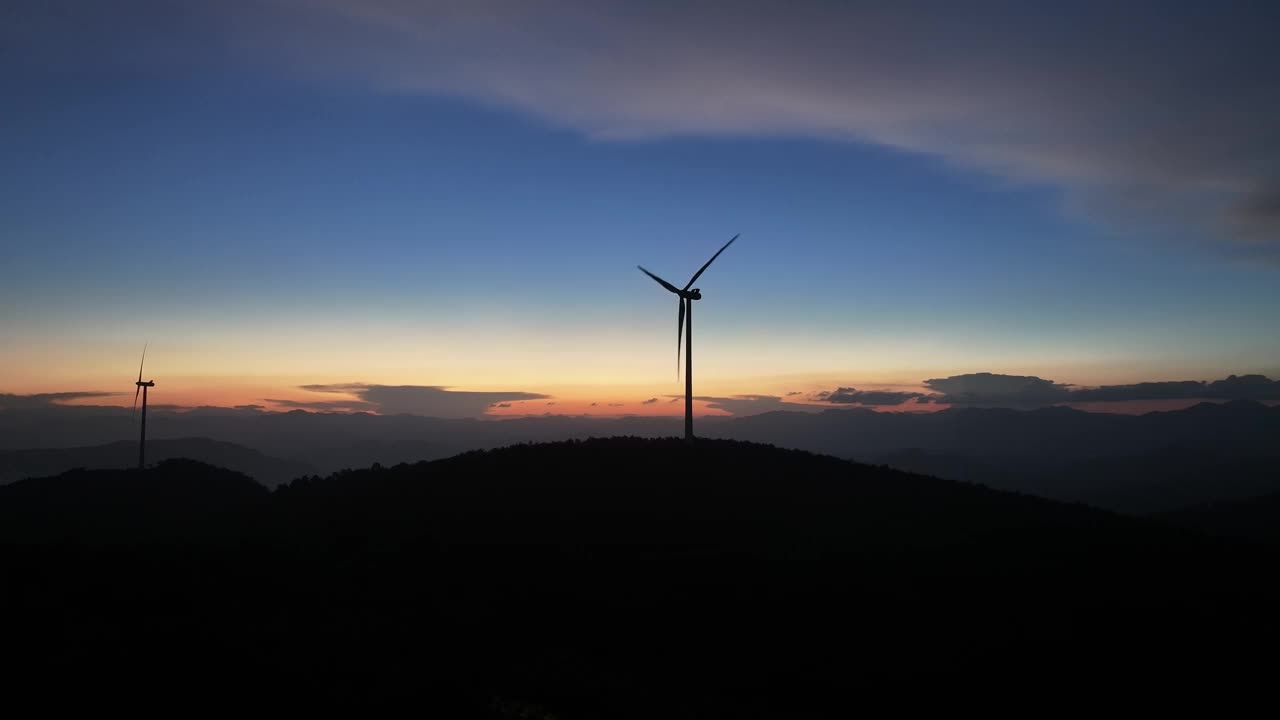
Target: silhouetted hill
pixel 175 501
pixel 614 578
pixel 1255 518
pixel 1152 482
pixel 19 464
pixel 719 492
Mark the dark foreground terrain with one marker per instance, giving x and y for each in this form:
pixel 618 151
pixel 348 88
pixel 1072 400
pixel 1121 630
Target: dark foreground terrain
pixel 605 578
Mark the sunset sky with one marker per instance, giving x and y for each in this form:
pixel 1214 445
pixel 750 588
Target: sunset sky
pixel 285 193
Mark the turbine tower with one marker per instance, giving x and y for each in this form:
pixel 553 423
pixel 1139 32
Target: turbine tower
pixel 142 388
pixel 686 297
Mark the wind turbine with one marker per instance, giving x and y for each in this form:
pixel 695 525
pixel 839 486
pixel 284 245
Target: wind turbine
pixel 687 297
pixel 142 388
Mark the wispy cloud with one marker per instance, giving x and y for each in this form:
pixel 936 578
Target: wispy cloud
pixel 1140 109
pixel 339 406
pixel 852 396
pixel 432 400
pixel 741 405
pixel 42 400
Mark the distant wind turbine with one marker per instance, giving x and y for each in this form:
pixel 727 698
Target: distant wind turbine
pixel 687 297
pixel 142 388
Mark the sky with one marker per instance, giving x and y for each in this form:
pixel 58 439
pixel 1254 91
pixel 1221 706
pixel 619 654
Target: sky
pixel 302 203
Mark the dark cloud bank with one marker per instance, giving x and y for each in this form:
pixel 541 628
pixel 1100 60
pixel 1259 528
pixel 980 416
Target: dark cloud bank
pixel 1028 391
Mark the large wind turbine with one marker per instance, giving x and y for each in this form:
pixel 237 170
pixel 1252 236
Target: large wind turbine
pixel 687 297
pixel 142 388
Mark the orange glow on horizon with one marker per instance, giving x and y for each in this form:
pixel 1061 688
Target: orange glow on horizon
pixel 283 393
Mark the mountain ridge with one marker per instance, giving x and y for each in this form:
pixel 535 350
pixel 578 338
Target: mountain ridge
pixel 34 462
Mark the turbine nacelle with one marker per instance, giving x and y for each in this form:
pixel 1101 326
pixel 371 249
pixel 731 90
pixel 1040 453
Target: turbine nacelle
pixel 149 383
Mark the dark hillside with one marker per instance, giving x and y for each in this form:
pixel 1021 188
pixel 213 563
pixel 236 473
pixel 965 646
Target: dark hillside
pixel 610 578
pixel 1255 518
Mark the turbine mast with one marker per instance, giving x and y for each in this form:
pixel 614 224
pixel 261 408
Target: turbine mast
pixel 142 387
pixel 689 370
pixel 142 441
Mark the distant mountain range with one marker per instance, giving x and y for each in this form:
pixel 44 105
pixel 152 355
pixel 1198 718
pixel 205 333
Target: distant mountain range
pixel 1149 463
pixel 19 464
pixel 1151 482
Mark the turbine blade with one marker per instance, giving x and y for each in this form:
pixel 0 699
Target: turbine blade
pixel 698 274
pixel 144 360
pixel 679 336
pixel 661 282
pixel 135 401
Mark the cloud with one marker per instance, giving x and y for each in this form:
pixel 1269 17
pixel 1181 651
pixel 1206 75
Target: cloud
pixel 1142 109
pixel 1234 387
pixel 1166 390
pixel 1245 387
pixel 501 405
pixel 341 406
pixel 1259 215
pixel 43 400
pixel 851 396
pixel 741 405
pixel 650 401
pixel 999 390
pixel 430 400
pixel 795 392
pixel 1030 391
pixel 249 407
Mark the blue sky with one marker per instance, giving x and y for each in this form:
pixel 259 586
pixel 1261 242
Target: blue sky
pixel 260 208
